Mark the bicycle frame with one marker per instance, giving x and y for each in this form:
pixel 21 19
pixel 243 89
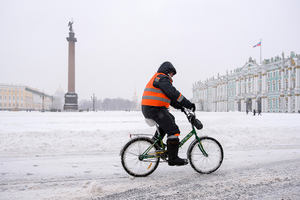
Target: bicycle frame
pixel 145 154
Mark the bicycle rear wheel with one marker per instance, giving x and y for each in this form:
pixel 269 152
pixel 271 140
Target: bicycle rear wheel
pixel 208 161
pixel 131 157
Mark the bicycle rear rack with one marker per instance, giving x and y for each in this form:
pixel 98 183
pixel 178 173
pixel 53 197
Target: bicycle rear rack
pixel 137 135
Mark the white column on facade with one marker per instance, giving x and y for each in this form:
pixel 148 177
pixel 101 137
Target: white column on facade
pixel 297 78
pixel 290 90
pixel 234 105
pixel 290 78
pixel 263 104
pixel 243 105
pixel 236 86
pixel 282 81
pixel 264 83
pixel 254 103
pixel 297 88
pixel 289 103
pixel 255 77
pixel 216 99
pixel 297 109
pixel 226 95
pixel 282 89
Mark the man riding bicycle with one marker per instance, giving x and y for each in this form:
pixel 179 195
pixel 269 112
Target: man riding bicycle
pixel 158 95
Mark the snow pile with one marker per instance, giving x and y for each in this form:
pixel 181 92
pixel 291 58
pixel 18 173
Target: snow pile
pixel 76 156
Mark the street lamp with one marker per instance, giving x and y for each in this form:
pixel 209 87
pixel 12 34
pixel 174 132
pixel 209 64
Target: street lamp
pixel 43 97
pixel 94 98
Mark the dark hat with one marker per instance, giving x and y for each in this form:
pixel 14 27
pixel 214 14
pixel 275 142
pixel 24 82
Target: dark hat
pixel 167 68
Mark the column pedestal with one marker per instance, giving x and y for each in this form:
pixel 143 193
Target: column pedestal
pixel 71 101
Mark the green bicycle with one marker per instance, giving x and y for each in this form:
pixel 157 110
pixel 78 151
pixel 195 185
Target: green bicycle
pixel 141 155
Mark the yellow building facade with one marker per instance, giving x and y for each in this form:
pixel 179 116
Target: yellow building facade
pixel 21 97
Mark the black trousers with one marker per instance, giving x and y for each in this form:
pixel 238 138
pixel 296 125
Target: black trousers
pixel 162 117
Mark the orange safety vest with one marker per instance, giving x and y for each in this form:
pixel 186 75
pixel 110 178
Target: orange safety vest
pixel 153 96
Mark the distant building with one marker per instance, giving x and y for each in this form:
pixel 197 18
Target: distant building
pixel 273 86
pixel 135 100
pixel 58 100
pixel 21 97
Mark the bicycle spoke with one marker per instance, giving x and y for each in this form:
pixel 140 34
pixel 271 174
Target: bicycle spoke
pixel 131 160
pixel 206 163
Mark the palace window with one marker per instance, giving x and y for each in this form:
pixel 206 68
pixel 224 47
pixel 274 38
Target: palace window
pixel 269 103
pixel 274 86
pixel 293 102
pixel 268 87
pixel 293 83
pixel 1 96
pixel 269 75
pixel 260 76
pixel 286 102
pixel 286 72
pixel 273 103
pixel 279 85
pixel 294 70
pixel 274 74
pixel 286 84
pixel 279 73
pixel 260 87
pixel 279 102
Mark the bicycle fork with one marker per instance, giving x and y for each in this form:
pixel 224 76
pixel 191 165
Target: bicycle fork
pixel 186 138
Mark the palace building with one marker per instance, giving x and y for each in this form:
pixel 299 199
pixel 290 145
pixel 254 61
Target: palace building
pixel 20 97
pixel 273 86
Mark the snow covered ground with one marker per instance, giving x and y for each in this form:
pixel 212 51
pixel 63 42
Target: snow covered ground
pixel 76 156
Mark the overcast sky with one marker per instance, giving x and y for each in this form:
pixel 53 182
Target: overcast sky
pixel 121 44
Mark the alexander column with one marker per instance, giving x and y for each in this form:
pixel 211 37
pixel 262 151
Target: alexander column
pixel 71 103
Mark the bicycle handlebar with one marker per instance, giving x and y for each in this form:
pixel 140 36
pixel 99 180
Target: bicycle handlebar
pixel 191 116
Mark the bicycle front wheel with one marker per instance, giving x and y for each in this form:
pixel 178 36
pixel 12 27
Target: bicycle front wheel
pixel 205 156
pixel 132 160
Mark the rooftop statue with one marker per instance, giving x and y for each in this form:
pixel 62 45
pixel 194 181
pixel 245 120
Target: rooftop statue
pixel 70 25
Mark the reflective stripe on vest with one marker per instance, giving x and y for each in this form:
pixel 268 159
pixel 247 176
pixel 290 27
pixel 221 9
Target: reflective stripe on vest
pixel 153 96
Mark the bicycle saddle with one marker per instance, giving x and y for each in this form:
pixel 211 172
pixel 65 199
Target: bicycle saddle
pixel 150 122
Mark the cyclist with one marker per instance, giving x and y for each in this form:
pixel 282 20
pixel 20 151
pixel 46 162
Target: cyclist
pixel 158 95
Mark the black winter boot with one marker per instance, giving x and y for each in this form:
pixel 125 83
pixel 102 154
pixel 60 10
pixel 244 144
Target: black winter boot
pixel 172 147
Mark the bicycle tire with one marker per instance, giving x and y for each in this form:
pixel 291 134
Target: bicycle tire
pixel 205 164
pixel 131 161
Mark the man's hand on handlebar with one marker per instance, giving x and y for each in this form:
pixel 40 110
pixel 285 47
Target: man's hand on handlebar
pixel 193 108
